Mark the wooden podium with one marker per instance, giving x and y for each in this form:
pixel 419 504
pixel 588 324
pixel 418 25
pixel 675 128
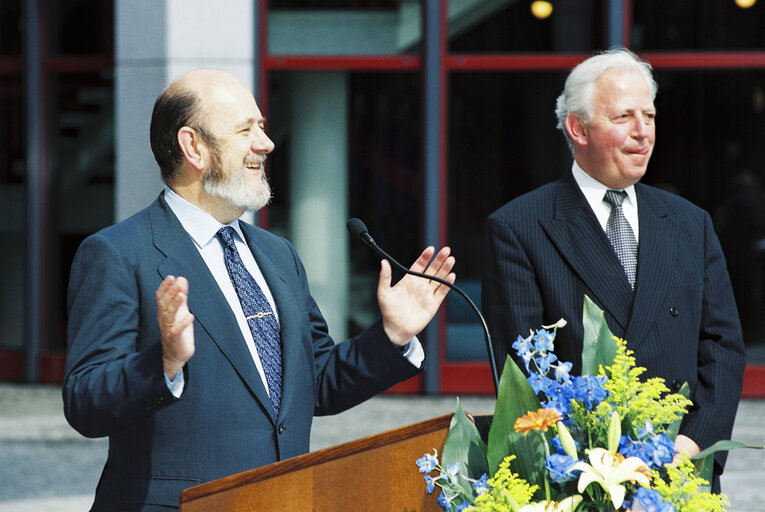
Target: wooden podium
pixel 376 473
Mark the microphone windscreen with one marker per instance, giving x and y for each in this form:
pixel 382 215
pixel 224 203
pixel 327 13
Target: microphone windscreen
pixel 356 227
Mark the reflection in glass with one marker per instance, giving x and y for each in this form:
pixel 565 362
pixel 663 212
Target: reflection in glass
pixel 82 123
pixel 573 26
pixel 502 143
pixel 694 25
pixel 80 27
pixel 12 222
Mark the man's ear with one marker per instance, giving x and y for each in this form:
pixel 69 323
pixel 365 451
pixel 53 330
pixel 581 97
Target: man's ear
pixel 193 148
pixel 576 129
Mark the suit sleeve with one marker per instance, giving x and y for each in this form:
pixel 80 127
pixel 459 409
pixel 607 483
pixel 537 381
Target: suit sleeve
pixel 512 301
pixel 109 383
pixel 721 356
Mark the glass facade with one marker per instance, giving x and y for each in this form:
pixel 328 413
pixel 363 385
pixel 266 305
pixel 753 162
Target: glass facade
pixel 501 68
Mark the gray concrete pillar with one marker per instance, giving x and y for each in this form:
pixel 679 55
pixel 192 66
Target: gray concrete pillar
pixel 319 188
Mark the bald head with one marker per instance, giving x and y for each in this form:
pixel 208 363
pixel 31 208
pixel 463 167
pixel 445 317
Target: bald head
pixel 187 101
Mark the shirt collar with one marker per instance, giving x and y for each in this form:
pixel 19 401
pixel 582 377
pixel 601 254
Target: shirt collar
pixel 200 225
pixel 594 190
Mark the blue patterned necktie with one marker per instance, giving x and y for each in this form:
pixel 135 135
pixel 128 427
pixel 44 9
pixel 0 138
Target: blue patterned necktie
pixel 259 315
pixel 620 234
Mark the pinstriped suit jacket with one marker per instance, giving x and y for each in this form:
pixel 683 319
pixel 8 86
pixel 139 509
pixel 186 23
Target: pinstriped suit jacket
pixel 545 250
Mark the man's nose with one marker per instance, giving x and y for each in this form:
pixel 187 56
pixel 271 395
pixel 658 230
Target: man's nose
pixel 261 143
pixel 640 128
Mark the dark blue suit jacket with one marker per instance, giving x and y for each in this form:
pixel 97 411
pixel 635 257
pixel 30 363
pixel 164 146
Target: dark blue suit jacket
pixel 223 423
pixel 545 250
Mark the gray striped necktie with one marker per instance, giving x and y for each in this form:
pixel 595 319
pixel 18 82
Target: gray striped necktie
pixel 620 234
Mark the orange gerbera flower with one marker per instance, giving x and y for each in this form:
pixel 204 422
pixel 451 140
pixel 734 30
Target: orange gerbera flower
pixel 540 420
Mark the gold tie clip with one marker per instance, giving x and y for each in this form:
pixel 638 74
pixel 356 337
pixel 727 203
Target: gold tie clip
pixel 259 315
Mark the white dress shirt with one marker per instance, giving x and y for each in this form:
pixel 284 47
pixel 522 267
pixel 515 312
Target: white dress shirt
pixel 594 191
pixel 203 227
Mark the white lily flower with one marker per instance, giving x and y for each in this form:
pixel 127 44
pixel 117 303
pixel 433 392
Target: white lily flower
pixel 567 505
pixel 610 472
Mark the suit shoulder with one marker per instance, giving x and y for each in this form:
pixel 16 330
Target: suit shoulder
pixel 536 203
pixel 673 203
pixel 128 233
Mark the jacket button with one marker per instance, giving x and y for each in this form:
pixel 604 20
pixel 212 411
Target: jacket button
pixel 280 429
pixel 674 311
pixel 676 385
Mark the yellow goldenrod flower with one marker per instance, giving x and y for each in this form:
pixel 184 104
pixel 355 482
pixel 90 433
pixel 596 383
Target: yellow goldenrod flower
pixel 610 471
pixel 540 420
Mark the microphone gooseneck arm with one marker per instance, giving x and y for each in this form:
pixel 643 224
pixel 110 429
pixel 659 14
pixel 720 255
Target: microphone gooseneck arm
pixel 357 228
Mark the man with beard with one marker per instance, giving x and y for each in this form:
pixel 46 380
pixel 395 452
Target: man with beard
pixel 195 344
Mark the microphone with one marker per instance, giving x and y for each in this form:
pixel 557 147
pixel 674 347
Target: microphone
pixel 358 229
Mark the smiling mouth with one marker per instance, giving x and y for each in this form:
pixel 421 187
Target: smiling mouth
pixel 254 166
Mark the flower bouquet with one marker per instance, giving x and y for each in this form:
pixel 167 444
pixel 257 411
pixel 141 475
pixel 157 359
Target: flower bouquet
pixel 603 441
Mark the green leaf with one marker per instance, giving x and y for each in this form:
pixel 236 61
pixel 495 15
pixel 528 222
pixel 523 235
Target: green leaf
pixel 514 399
pixel 721 446
pixel 705 461
pixel 674 427
pixel 599 346
pixel 464 445
pixel 705 469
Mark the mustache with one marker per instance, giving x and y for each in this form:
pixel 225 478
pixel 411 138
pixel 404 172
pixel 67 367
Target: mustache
pixel 260 160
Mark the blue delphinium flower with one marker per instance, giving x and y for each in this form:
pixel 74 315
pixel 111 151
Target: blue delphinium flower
pixel 537 382
pixel 589 390
pixel 651 501
pixel 430 483
pixel 441 500
pixel 451 471
pixel 656 450
pixel 559 468
pixel 428 462
pixel 481 486
pixel 543 340
pixel 664 450
pixel 640 449
pixel 522 345
pixel 463 506
pixel 562 370
pixel 559 396
pixel 545 360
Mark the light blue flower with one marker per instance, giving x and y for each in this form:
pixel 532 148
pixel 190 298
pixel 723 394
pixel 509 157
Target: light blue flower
pixel 443 501
pixel 562 370
pixel 589 390
pixel 651 501
pixel 664 450
pixel 463 506
pixel 430 483
pixel 543 340
pixel 451 471
pixel 559 466
pixel 537 382
pixel 481 486
pixel 545 360
pixel 427 462
pixel 522 346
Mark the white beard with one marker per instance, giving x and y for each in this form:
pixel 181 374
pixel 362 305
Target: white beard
pixel 234 188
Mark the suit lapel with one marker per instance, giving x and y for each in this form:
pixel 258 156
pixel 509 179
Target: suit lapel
pixel 206 302
pixel 656 252
pixel 290 320
pixel 580 240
